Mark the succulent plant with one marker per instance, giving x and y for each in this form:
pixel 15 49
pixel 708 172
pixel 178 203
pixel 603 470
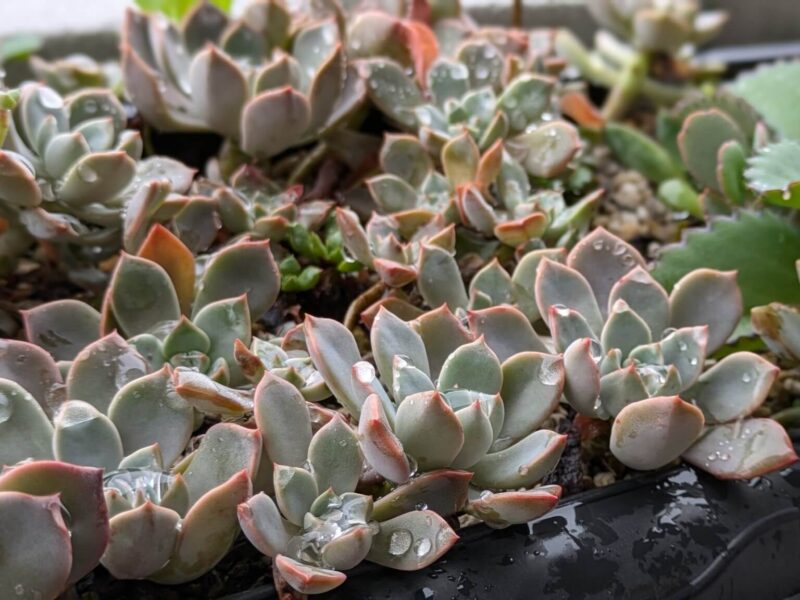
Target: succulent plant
pixel 642 47
pixel 70 167
pixel 285 81
pixel 634 354
pixel 74 72
pixel 778 325
pixel 495 385
pixel 318 526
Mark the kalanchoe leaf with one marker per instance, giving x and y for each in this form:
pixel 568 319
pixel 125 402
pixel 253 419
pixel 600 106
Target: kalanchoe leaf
pixel 142 295
pixel 263 525
pixel 412 541
pixel 506 331
pixel 25 431
pixel 102 368
pixel 743 449
pixel 652 433
pixel 34 370
pixel 499 510
pixel 532 387
pixel 700 139
pixel 582 379
pixel 295 491
pixel 225 450
pixel 734 387
pixel 283 421
pixel 80 491
pixel 84 436
pixel 558 285
pixel 522 464
pixel 439 280
pixel 148 410
pixel 243 268
pixel 165 249
pixel 645 297
pixel 335 457
pixel 472 367
pixel 761 89
pixel 382 449
pixel 442 333
pixel 390 337
pixel 141 541
pixel 62 327
pixel 707 297
pixel 429 430
pixel 334 352
pixel 207 531
pixel 307 579
pixel 32 526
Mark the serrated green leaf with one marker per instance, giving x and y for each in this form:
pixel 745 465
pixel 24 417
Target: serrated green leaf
pixel 762 247
pixel 775 172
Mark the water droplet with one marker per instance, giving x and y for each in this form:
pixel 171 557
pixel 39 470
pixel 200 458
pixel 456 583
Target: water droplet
pixel 87 173
pixel 364 372
pixel 746 377
pixel 597 244
pixel 422 547
pixel 400 542
pixel 787 194
pixel 693 361
pixel 549 373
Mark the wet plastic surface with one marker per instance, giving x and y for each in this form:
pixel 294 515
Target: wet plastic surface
pixel 679 534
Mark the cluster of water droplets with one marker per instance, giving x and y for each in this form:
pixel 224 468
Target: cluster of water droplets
pixel 130 483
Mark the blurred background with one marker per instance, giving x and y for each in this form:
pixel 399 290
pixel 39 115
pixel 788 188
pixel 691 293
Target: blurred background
pixel 54 28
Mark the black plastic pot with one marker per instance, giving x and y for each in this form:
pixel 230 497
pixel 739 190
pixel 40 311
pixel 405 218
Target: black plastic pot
pixel 674 534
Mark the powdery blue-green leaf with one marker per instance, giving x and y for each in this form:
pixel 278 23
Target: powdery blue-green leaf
pixel 522 464
pixel 382 449
pixel 742 450
pixel 499 510
pixel 97 178
pixel 225 450
pixel 412 541
pixel 25 431
pixel 308 579
pixel 560 286
pixel 439 279
pixel 460 157
pixel 263 525
pixel 243 268
pixel 443 491
pixel 474 367
pixel 652 433
pixel 494 282
pixel 566 326
pixel 546 151
pixel 524 278
pixel 34 370
pixel 405 157
pixel 101 369
pixel 645 297
pixel 620 388
pixel 84 436
pixel 506 331
pixel 582 378
pixel 283 420
pixel 734 387
pixel 274 121
pixel 707 297
pixel 624 329
pixel 429 430
pixel 525 99
pixel 141 541
pixel 207 531
pixel 295 491
pixel 442 333
pixel 18 185
pixel 33 526
pixel 149 411
pixel 390 337
pixel 211 71
pixel 62 327
pixel 532 387
pixel 209 397
pixel 392 91
pixel 142 295
pixel 334 352
pixel 335 457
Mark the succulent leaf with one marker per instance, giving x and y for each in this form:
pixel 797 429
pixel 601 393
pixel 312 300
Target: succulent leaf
pixel 335 457
pixel 443 491
pixel 84 436
pixel 283 420
pixel 499 510
pixel 522 464
pixel 263 525
pixel 412 541
pixel 25 431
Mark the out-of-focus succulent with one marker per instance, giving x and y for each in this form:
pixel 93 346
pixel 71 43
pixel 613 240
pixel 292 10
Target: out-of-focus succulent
pixel 53 525
pixel 70 167
pixel 779 326
pixel 495 385
pixel 634 354
pixel 319 526
pixel 266 81
pixel 74 72
pixel 644 47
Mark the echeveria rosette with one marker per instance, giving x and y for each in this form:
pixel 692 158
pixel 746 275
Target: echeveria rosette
pixel 637 355
pixel 69 167
pixel 317 526
pixel 495 385
pixel 190 322
pixel 285 82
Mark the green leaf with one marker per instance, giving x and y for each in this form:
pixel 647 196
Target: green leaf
pixel 177 9
pixel 19 46
pixel 774 91
pixel 775 172
pixel 762 247
pixel 639 152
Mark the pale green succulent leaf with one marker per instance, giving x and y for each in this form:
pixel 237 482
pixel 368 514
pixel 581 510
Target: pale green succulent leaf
pixel 412 541
pixel 84 436
pixel 25 431
pixel 283 420
pixel 474 367
pixel 335 457
pixel 34 370
pixel 263 525
pixel 295 491
pixel 522 464
pixel 499 510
